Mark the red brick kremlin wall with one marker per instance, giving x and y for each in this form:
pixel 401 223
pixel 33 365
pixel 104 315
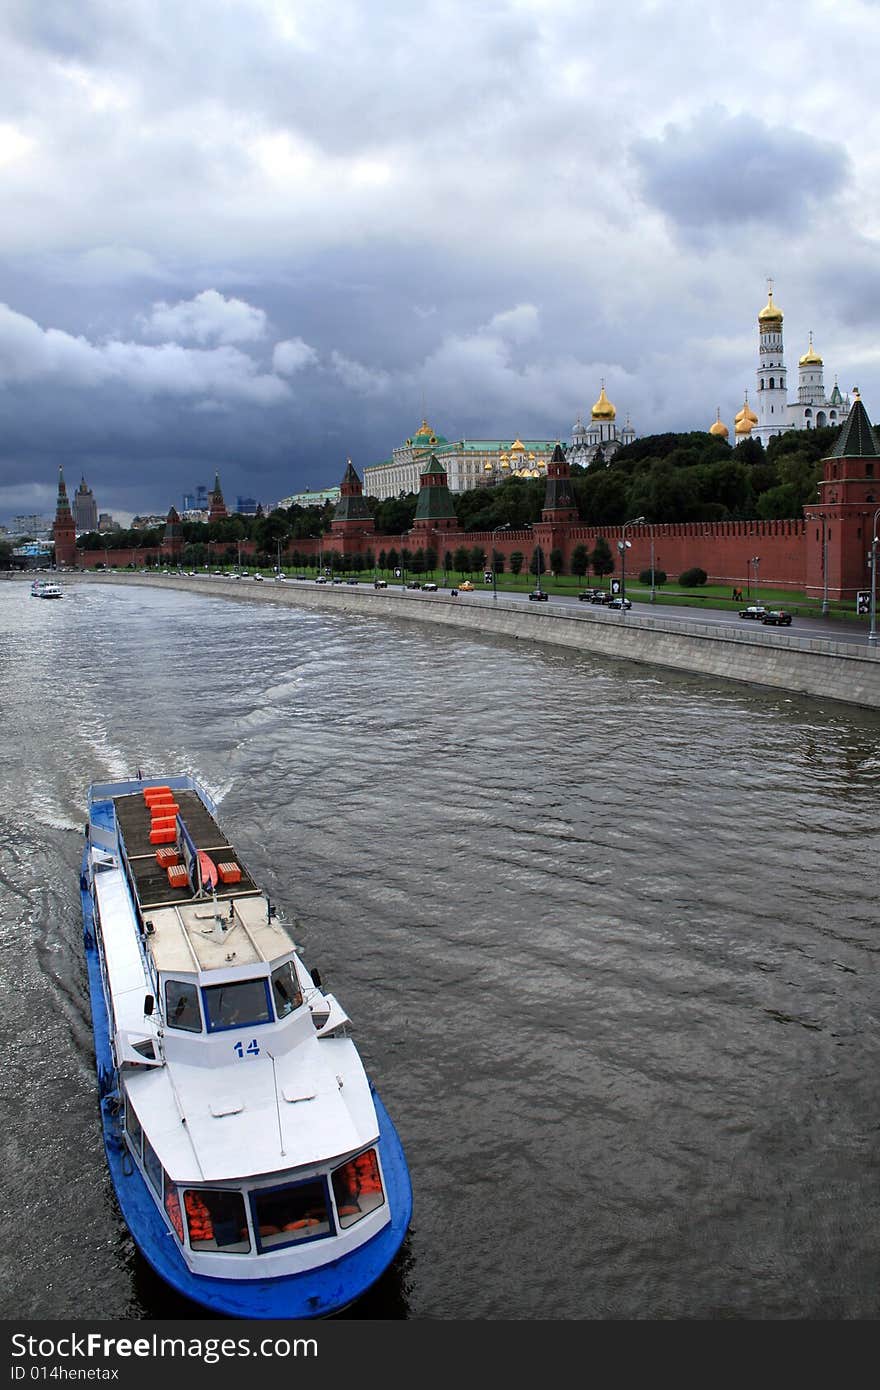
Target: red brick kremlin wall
pixel 723 549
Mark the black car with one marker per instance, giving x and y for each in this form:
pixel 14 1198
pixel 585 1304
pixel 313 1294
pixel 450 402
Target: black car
pixel 619 603
pixel 754 610
pixel 588 595
pixel 413 584
pixel 538 596
pixel 776 617
pixel 600 596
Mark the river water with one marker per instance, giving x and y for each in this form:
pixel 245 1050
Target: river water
pixel 608 937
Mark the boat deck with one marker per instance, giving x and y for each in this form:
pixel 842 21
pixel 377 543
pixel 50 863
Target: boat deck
pixel 151 880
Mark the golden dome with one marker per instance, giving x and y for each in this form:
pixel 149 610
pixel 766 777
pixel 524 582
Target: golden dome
pixel 603 409
pixel 743 426
pixel 504 460
pixel 517 447
pixel 810 358
pixel 771 313
pixel 718 427
pixel 746 413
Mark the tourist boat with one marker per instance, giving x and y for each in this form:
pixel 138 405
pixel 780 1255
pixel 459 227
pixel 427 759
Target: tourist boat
pixel 253 1160
pixel 46 588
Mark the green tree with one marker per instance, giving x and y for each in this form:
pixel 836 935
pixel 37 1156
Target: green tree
pixel 602 560
pixel 538 564
pixel 556 560
pixel 580 561
pixel 461 559
pixel 516 562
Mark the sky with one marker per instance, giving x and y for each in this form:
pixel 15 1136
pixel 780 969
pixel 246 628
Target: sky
pixel 258 238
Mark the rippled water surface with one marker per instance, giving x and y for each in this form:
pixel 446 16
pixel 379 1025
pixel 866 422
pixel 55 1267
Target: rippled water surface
pixel 608 936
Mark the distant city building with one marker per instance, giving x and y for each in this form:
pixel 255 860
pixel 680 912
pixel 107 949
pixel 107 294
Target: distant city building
pixel 311 498
pixel 147 523
pixel 196 501
pixel 246 506
pixel 466 463
pixel 85 510
pixel 32 555
pixel 601 433
pixel 32 525
pixel 106 522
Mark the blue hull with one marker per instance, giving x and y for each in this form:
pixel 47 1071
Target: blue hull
pixel 313 1294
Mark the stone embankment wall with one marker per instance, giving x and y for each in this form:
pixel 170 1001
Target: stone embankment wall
pixel 833 670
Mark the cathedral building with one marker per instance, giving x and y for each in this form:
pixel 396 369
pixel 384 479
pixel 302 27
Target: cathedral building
pixel 811 409
pixel 601 433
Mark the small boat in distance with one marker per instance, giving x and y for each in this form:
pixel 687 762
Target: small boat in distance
pixel 253 1160
pixel 46 588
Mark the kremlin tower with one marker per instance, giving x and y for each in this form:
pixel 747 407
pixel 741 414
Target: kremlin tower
pixel 64 529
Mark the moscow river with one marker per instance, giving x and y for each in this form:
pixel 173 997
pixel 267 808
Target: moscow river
pixel 608 936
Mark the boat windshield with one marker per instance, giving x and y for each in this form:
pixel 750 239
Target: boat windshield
pixel 286 990
pixel 236 1003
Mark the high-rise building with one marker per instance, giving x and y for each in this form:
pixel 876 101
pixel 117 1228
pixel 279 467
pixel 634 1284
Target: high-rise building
pixel 85 509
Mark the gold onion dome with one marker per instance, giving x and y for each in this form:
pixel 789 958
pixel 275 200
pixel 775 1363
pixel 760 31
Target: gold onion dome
pixel 811 357
pixel 746 413
pixel 771 313
pixel 718 427
pixel 603 409
pixel 517 447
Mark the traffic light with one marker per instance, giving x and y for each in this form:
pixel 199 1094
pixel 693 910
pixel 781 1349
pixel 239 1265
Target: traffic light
pixel 863 601
pixel 487 575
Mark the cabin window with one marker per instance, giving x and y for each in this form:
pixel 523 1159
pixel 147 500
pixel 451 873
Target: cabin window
pixel 357 1188
pixel 285 1215
pixel 152 1166
pixel 216 1220
pixel 182 1006
pixel 285 989
pixel 133 1127
pixel 236 1004
pixel 172 1207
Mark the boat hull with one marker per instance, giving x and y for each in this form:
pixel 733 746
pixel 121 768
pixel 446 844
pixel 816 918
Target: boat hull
pixel 315 1293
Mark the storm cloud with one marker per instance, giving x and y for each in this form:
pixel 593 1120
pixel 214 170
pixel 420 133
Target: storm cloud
pixel 261 238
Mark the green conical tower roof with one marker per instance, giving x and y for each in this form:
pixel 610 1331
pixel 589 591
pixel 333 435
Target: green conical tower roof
pixel 856 438
pixel 435 500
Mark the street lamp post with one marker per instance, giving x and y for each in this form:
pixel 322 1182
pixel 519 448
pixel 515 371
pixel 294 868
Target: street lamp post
pixel 623 545
pixel 872 632
pixel 505 527
pixel 820 516
pixel 653 593
pixel 755 560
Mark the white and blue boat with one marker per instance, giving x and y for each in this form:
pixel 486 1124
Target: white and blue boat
pixel 253 1160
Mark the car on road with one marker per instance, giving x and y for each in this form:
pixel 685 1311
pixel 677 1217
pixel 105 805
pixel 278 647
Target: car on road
pixel 258 578
pixel 352 581
pixel 776 617
pixel 413 584
pixel 466 587
pixel 430 588
pixel 380 583
pixel 589 595
pixel 754 610
pixel 619 603
pixel 321 579
pixel 302 576
pixel 600 596
pixel 537 596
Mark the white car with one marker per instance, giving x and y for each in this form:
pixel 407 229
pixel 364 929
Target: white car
pixel 430 588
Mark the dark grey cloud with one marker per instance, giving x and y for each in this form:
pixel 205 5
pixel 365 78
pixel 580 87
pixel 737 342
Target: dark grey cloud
pixel 723 170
